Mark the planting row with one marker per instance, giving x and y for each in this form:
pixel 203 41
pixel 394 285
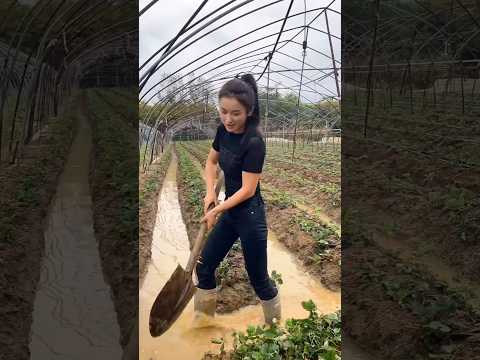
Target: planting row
pixel 276 177
pixel 149 188
pixel 325 161
pixel 316 337
pixel 395 302
pixel 307 184
pixel 399 171
pixel 28 187
pixel 439 132
pixel 448 228
pixel 114 181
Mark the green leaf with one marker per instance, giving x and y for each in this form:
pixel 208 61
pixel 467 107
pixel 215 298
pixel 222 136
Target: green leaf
pixel 309 305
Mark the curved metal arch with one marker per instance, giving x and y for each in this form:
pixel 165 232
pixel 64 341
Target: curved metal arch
pixel 208 53
pixel 157 64
pixel 219 58
pixel 231 41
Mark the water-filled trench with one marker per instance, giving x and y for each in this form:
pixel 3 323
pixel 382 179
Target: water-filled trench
pixel 189 340
pixel 74 316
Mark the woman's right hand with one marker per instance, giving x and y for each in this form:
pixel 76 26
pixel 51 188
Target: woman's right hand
pixel 210 198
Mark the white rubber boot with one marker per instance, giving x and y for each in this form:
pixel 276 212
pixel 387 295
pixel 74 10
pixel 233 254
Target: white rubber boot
pixel 272 310
pixel 204 305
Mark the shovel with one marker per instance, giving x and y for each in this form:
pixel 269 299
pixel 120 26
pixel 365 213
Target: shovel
pixel 179 289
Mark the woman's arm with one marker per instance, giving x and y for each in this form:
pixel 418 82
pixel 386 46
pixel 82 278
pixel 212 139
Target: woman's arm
pixel 249 185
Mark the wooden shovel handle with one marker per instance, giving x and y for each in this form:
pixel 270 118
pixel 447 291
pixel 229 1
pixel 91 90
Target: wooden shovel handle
pixel 201 238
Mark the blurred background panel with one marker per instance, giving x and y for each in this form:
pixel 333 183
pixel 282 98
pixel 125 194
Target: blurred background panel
pixel 69 178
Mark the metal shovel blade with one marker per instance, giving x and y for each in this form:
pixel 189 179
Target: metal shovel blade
pixel 171 301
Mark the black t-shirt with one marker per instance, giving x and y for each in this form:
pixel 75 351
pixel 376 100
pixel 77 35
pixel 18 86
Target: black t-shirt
pixel 235 158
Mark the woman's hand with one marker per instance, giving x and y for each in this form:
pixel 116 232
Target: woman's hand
pixel 210 218
pixel 210 198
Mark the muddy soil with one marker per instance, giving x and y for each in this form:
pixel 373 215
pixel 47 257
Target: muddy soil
pixel 150 183
pixel 447 228
pixel 303 245
pixel 27 190
pixel 379 313
pixel 385 322
pixel 235 290
pixel 352 351
pixel 318 198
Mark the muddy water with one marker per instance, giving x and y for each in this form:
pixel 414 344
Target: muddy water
pixel 186 339
pixel 74 316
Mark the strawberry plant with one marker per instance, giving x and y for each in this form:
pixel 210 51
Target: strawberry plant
pixel 324 235
pixel 316 337
pixel 195 187
pixel 154 178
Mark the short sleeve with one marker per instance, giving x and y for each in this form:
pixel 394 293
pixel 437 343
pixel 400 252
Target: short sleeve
pixel 216 141
pixel 254 156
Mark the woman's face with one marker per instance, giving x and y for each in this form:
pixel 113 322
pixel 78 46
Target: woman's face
pixel 233 115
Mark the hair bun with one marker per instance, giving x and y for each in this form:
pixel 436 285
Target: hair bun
pixel 250 80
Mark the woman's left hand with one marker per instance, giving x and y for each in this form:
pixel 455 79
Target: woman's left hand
pixel 210 218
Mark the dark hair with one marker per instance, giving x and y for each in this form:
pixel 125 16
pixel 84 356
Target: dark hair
pixel 244 90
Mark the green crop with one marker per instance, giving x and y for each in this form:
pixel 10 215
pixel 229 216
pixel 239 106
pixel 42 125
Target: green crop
pixel 316 337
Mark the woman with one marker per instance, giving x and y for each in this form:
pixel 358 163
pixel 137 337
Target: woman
pixel 240 150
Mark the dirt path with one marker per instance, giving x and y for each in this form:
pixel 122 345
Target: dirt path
pixel 186 340
pixel 74 316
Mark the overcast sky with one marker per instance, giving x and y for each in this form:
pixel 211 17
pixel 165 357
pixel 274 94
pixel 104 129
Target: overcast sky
pixel 165 19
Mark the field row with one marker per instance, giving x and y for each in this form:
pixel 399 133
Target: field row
pixel 307 182
pixel 114 179
pixel 150 184
pixel 399 295
pixel 411 272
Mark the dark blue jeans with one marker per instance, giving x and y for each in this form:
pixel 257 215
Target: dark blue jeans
pixel 248 222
